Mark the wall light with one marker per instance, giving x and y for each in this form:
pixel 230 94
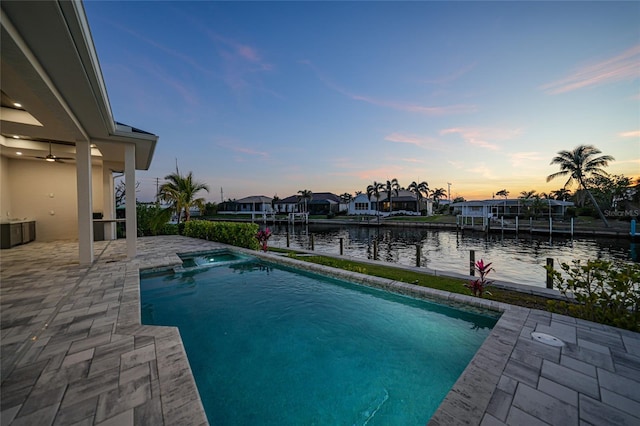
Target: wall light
pixel 17 105
pixel 18 153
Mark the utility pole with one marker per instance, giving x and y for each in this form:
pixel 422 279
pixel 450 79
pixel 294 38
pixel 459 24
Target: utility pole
pixel 449 190
pixel 221 195
pixel 157 190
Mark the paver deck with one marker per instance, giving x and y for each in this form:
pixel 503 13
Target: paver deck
pixel 73 351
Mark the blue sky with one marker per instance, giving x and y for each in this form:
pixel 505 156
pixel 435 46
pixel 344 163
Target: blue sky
pixel 264 98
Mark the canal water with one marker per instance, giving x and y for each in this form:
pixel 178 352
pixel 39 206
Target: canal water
pixel 518 258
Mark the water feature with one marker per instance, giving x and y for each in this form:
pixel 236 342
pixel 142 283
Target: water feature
pixel 518 258
pixel 272 345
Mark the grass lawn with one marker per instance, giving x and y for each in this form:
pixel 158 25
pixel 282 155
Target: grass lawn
pixel 453 285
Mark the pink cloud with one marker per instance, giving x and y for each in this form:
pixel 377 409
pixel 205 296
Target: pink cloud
pixel 525 159
pixel 631 134
pixel 625 66
pixel 401 106
pixel 453 76
pixel 233 146
pixel 483 137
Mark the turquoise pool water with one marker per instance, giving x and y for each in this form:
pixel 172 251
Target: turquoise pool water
pixel 270 345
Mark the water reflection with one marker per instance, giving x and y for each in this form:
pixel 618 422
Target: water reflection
pixel 518 258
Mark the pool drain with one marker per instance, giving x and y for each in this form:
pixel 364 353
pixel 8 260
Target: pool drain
pixel 547 339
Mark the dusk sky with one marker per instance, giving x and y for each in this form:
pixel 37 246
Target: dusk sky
pixel 264 98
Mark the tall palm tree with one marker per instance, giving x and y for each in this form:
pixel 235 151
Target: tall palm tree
pixel 374 189
pixel 180 191
pixel 436 194
pixel 391 186
pixel 503 193
pixel 421 190
pixel 580 164
pixel 274 201
pixel 306 196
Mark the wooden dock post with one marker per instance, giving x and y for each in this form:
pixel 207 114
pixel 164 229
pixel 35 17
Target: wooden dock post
pixel 472 263
pixel 341 246
pixel 287 238
pixel 418 255
pixel 375 249
pixel 312 247
pixel 549 274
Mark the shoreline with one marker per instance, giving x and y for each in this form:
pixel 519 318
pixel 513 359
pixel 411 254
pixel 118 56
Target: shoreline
pixel 523 228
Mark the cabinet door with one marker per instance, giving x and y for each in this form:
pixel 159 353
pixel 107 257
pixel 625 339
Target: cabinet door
pixel 26 232
pixel 16 234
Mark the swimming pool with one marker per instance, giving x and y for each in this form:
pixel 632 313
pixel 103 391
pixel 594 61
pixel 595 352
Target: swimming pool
pixel 272 345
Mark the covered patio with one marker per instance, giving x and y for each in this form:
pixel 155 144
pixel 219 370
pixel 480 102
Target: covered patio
pixel 60 146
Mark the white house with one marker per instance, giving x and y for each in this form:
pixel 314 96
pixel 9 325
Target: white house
pixel 255 204
pixel 510 208
pixel 60 144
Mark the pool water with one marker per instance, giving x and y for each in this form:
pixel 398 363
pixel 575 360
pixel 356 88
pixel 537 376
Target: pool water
pixel 271 345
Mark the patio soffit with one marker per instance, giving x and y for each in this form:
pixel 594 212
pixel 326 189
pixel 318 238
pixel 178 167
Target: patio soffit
pixel 49 66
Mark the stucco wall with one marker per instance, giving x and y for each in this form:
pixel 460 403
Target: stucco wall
pixel 5 199
pixel 46 192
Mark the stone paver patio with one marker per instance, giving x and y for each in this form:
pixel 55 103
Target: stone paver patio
pixel 73 351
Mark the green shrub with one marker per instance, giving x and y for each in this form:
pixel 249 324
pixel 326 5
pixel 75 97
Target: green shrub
pixel 604 292
pixel 151 220
pixel 237 234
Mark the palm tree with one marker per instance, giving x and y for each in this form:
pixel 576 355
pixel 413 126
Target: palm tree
pixel 503 193
pixel 374 189
pixel 274 201
pixel 561 194
pixel 305 195
pixel 181 192
pixel 579 165
pixel 391 186
pixel 436 194
pixel 346 198
pixel 527 198
pixel 421 190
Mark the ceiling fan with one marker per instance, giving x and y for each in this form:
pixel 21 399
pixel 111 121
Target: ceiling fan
pixel 53 158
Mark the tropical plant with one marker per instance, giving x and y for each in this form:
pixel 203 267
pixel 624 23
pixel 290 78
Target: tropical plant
pixel 479 286
pixel 562 194
pixel 345 198
pixel 580 164
pixel 390 187
pixel 437 194
pixel 305 196
pixel 604 291
pixel 274 201
pixel 263 238
pixel 503 193
pixel 151 219
pixel 374 190
pixel 421 190
pixel 180 191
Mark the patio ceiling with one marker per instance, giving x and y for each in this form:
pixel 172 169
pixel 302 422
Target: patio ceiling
pixel 50 68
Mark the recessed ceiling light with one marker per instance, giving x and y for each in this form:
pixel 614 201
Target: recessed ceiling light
pixel 16 137
pixel 18 153
pixel 17 105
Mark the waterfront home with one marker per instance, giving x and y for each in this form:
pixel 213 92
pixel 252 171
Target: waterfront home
pixel 60 145
pixel 320 203
pixel 405 202
pixel 255 204
pixel 510 208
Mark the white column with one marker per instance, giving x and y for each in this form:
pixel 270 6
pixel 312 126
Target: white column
pixel 85 205
pixel 108 202
pixel 130 199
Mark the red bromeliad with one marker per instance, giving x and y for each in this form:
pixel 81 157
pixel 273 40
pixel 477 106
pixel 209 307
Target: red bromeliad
pixel 478 286
pixel 263 238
